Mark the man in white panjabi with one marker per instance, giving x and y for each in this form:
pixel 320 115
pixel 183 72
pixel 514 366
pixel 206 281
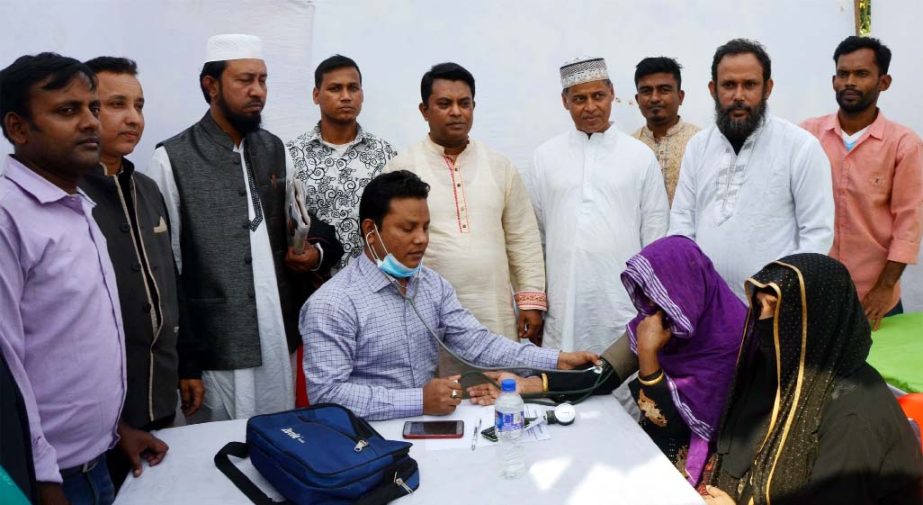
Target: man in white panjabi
pixel 753 187
pixel 224 184
pixel 483 235
pixel 599 198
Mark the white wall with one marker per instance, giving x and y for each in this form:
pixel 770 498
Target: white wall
pixel 167 39
pixel 513 48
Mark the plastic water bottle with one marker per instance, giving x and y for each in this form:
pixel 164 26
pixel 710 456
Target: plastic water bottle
pixel 509 422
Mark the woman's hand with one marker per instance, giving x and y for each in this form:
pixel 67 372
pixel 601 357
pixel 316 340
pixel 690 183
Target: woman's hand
pixel 652 336
pixel 486 393
pixel 717 497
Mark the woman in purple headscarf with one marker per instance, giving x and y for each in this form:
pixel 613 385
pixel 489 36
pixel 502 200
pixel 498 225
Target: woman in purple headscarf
pixel 686 336
pixel 683 343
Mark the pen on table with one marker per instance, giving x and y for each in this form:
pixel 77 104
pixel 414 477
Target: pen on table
pixel 474 436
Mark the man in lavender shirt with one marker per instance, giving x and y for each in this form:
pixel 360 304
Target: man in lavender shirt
pixel 60 322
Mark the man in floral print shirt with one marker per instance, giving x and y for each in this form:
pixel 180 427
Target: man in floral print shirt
pixel 336 159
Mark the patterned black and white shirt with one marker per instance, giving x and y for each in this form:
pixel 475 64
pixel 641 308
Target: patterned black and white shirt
pixel 333 181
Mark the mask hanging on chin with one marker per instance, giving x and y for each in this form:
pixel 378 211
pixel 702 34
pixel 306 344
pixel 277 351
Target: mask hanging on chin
pixel 390 265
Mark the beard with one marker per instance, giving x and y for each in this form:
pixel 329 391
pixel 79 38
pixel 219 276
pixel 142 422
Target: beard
pixel 737 130
pixel 865 100
pixel 243 123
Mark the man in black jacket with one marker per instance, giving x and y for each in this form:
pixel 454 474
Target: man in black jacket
pixel 130 212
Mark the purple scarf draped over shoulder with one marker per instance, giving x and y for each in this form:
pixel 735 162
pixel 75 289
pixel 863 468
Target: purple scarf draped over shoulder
pixel 706 320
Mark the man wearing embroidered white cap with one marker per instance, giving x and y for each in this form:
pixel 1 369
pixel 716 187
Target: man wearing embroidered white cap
pixel 599 198
pixel 224 183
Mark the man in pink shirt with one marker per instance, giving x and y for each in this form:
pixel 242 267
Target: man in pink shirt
pixel 60 319
pixel 877 178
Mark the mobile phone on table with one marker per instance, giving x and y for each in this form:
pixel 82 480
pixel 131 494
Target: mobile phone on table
pixel 434 429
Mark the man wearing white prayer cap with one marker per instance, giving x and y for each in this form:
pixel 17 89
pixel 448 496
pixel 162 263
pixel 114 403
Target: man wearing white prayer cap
pixel 240 285
pixel 599 198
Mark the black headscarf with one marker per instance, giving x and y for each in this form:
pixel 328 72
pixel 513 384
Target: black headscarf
pixel 768 435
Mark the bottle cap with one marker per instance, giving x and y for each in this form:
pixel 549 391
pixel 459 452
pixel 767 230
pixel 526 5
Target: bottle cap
pixel 508 385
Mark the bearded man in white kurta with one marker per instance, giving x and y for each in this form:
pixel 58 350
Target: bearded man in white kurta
pixel 483 235
pixel 599 198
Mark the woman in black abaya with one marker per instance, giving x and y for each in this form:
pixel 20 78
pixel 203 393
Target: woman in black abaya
pixel 808 421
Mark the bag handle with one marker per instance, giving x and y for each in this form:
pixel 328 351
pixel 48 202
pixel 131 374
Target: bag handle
pixel 243 483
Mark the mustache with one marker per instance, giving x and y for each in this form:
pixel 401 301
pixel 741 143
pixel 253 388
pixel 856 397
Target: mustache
pixel 842 93
pixel 737 106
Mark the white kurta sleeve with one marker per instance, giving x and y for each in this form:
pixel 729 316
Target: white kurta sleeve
pixel 683 214
pixel 812 190
pixel 530 182
pixel 655 207
pixel 523 245
pixel 289 166
pixel 161 172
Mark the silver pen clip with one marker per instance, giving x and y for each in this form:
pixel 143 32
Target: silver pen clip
pixel 474 436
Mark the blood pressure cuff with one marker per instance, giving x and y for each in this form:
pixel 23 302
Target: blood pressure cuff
pixel 321 455
pixel 563 381
pixel 618 363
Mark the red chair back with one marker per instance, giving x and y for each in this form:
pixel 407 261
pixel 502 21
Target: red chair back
pixel 912 404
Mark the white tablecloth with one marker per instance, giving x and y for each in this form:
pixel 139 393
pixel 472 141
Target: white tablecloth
pixel 604 457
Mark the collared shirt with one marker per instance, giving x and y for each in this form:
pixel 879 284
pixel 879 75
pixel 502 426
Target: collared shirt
pixel 599 199
pixel 367 349
pixel 772 199
pixel 669 150
pixel 334 180
pixel 482 235
pixel 878 190
pixel 60 321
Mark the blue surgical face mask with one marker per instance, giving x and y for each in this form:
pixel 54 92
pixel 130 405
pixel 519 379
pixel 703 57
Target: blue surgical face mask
pixel 390 265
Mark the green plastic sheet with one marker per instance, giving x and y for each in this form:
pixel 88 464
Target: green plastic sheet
pixel 897 351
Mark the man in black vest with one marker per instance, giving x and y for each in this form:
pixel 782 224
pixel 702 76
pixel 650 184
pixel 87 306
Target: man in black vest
pixel 130 212
pixel 240 286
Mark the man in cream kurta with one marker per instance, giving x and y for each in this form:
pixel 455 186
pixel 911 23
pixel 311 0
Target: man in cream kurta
pixel 599 198
pixel 483 234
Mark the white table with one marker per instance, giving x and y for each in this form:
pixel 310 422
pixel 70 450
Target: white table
pixel 604 457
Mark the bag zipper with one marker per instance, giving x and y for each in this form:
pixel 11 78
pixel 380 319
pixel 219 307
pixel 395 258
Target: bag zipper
pixel 400 482
pixel 361 443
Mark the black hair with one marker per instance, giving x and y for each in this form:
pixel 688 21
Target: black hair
pixel 212 69
pixel 742 46
pixel 16 81
pixel 332 63
pixel 658 65
pixel 377 196
pixel 113 65
pixel 448 71
pixel 853 43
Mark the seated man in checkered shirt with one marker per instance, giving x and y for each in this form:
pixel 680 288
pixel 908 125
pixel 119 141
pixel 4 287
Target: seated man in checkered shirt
pixel 367 332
